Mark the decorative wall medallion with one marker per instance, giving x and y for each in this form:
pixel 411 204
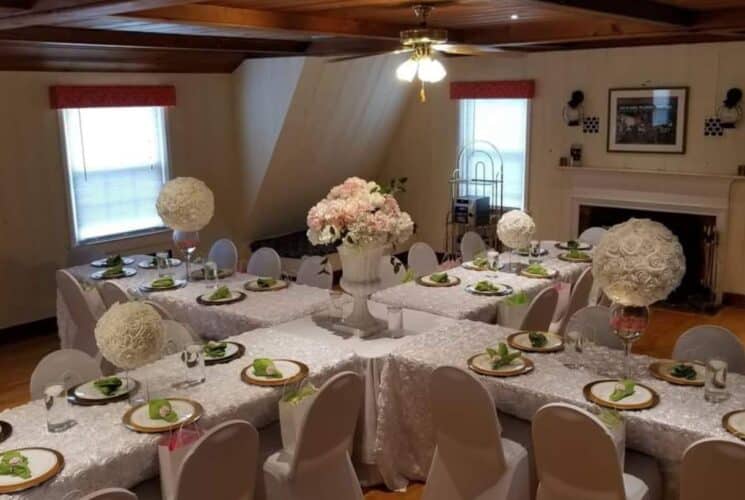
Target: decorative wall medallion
pixel 713 127
pixel 591 125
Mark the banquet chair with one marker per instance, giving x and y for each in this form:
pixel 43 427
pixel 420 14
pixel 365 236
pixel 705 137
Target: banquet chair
pixel 592 235
pixel 422 259
pixel 265 262
pixel 471 244
pixel 594 324
pixel 81 312
pixel 541 311
pixel 68 367
pixel 164 314
pixel 113 293
pixel 320 467
pixel 704 342
pixel 594 471
pixel 471 460
pixel 712 468
pixel 314 272
pixel 578 299
pixel 177 337
pixel 222 464
pixel 224 253
pixel 110 494
pixel 391 271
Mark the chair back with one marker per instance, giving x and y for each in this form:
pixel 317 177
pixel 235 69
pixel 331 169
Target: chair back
pixel 391 271
pixel 113 293
pixel 705 342
pixel 712 468
pixel 221 464
pixel 313 272
pixel 467 429
pixel 594 323
pixel 177 337
pixel 422 259
pixel 592 235
pixel 594 472
pixel 471 244
pixel 164 314
pixel 579 298
pixel 68 367
pixel 224 253
pixel 265 262
pixel 541 311
pixel 110 494
pixel 329 425
pixel 81 311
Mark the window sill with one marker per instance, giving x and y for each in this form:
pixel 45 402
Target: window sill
pixel 123 237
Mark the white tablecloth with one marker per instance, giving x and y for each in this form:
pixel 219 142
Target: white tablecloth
pixel 455 302
pixel 405 441
pixel 100 452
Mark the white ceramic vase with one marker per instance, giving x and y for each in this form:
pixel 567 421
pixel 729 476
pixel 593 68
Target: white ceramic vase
pixel 360 278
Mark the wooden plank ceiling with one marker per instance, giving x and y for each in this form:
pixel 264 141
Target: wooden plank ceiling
pixel 215 36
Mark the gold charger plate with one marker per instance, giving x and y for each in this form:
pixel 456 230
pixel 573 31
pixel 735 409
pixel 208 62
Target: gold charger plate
pixel 520 341
pixel 232 300
pixel 252 286
pixel 147 287
pixel 240 351
pixel 661 370
pixel 127 272
pixel 738 431
pixel 566 258
pixel 73 397
pixel 590 392
pixel 425 281
pixel 526 366
pixel 302 372
pixel 473 267
pixel 42 478
pixel 552 274
pixel 196 414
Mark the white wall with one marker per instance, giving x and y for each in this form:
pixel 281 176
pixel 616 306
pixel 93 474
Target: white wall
pixel 425 145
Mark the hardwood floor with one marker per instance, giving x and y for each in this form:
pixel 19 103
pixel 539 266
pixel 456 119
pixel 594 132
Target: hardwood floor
pixel 19 355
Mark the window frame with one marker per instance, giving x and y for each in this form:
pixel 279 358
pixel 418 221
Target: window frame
pixel 71 210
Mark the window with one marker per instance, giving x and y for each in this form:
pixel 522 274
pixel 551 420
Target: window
pixel 116 165
pixel 504 124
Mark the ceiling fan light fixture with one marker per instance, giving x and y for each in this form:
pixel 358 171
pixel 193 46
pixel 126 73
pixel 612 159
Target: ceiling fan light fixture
pixel 407 70
pixel 431 70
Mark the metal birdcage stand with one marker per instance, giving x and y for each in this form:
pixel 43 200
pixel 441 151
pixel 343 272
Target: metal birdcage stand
pixel 479 172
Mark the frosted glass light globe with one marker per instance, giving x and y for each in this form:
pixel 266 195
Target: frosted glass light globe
pixel 407 70
pixel 431 70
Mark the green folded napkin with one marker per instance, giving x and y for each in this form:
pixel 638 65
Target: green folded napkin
pixel 264 367
pixel 13 463
pixel 439 277
pixel 408 276
pixel 576 254
pixel 113 261
pixel 624 389
pixel 266 282
pixel 517 299
pixel 112 272
pixel 160 409
pixel 480 262
pixel 164 282
pixel 294 397
pixel 610 417
pixel 537 339
pixel 486 286
pixel 572 244
pixel 221 293
pixel 501 356
pixel 108 385
pixel 214 349
pixel 683 370
pixel 537 270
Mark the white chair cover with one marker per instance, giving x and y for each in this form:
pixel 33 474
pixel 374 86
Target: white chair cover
pixel 389 276
pixel 594 323
pixel 320 468
pixel 177 337
pixel 110 494
pixel 470 245
pixel 164 314
pixel 704 342
pixel 471 460
pixel 579 298
pixel 224 253
pixel 112 293
pixel 265 262
pixel 712 469
pixel 541 311
pixel 593 472
pixel 222 464
pixel 592 235
pixel 422 259
pixel 68 367
pixel 313 272
pixel 81 312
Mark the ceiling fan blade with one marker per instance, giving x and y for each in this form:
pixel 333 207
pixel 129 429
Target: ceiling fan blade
pixel 367 54
pixel 472 50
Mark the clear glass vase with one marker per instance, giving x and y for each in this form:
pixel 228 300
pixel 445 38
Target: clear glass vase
pixel 187 242
pixel 629 323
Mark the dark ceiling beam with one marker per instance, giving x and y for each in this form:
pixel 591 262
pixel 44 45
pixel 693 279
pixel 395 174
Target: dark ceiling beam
pixel 721 20
pixel 344 46
pixel 637 10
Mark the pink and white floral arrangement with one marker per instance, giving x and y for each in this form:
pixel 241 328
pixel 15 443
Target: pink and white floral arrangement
pixel 360 213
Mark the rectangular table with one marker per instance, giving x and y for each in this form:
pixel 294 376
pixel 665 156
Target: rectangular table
pixel 455 302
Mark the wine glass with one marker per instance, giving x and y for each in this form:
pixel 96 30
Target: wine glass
pixel 187 242
pixel 629 324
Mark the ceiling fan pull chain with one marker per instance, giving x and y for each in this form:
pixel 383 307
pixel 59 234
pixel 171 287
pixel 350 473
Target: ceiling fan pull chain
pixel 422 94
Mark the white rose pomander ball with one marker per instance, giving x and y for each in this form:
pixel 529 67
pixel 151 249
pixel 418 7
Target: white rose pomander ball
pixel 185 204
pixel 130 335
pixel 515 229
pixel 638 262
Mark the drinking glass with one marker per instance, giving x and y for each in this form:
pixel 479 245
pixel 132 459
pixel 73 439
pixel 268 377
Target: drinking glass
pixel 534 252
pixel 163 264
pixel 211 275
pixel 715 390
pixel 187 242
pixel 58 409
pixel 335 307
pixel 193 358
pixel 492 256
pixel 396 321
pixel 573 342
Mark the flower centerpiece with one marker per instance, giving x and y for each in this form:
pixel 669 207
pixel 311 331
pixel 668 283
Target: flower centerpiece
pixel 515 229
pixel 636 264
pixel 130 335
pixel 361 218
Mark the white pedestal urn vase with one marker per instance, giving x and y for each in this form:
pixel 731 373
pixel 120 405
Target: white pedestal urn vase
pixel 360 278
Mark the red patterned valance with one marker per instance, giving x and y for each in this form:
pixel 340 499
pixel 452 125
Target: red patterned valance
pixel 504 89
pixel 110 96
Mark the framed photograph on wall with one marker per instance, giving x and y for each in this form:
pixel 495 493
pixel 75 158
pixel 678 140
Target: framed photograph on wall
pixel 647 120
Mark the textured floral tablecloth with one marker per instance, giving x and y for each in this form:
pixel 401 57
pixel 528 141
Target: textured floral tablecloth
pixel 455 302
pixel 100 452
pixel 405 439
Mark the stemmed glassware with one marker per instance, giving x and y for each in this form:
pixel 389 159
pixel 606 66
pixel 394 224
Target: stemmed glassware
pixel 629 323
pixel 187 242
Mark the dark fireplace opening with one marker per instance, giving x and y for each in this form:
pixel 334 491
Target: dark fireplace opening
pixel 697 235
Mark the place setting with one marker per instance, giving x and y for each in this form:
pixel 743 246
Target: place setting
pixel 152 263
pixel 115 272
pixel 202 274
pixel 269 372
pixel 489 289
pixel 163 284
pixel 438 280
pixel 103 391
pixel 500 362
pixel 162 415
pixel 24 468
pixel 216 353
pixel 687 373
pixel 575 256
pixel 573 245
pixel 482 263
pixel 220 296
pixel 266 284
pixel 622 394
pixel 538 271
pixel 540 342
pixel 113 261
